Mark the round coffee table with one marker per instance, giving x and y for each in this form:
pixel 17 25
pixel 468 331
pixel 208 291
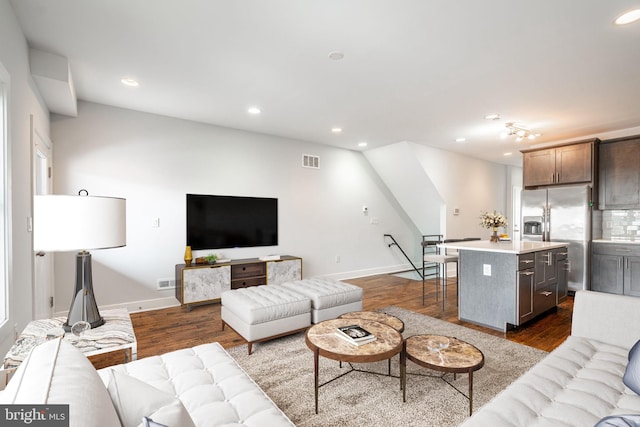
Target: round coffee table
pixel 443 354
pixel 385 318
pixel 321 338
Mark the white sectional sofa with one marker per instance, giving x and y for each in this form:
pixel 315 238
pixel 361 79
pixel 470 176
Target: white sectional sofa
pixel 581 381
pixel 199 386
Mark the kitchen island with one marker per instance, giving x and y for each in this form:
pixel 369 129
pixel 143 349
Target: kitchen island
pixel 505 284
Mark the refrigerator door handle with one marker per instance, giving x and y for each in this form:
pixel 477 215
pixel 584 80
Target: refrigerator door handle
pixel 547 224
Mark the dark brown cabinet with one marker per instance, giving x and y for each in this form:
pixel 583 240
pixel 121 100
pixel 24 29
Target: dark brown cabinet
pixel 526 285
pixel 539 167
pixel 615 268
pixel 562 264
pixel 565 164
pixel 619 186
pixel 546 269
pixel 541 280
pixel 525 295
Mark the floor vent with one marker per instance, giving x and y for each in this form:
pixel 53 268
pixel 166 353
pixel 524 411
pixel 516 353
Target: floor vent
pixel 166 284
pixel 309 161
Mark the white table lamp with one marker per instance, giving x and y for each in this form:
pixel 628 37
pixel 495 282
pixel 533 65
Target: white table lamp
pixel 78 223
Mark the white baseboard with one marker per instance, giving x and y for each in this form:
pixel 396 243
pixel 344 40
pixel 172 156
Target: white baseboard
pixel 369 272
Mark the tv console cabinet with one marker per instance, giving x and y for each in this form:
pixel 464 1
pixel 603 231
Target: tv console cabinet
pixel 204 283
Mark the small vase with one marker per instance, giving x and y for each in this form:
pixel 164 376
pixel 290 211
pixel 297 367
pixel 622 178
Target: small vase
pixel 494 236
pixel 187 255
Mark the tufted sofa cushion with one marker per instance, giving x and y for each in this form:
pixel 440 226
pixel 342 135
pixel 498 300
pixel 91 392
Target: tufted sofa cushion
pixel 210 384
pixel 134 400
pixel 577 384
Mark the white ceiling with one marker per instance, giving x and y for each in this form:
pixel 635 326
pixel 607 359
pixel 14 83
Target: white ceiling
pixel 425 71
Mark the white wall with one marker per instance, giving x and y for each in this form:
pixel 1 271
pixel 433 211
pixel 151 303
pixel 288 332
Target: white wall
pixel 405 176
pixel 24 101
pixel 466 183
pixel 153 161
pixel 447 181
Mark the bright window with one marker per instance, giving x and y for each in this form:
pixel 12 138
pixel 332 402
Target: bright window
pixel 4 243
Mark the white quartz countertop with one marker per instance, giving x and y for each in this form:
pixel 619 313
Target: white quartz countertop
pixel 507 247
pixel 617 242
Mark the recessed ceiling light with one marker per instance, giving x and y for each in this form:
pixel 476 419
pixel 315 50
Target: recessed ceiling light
pixel 362 144
pixel 336 130
pixel 254 110
pixel 507 154
pixel 128 81
pixel 492 116
pixel 461 139
pixel 628 17
pixel 335 55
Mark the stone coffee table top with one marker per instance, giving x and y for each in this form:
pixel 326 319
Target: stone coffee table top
pixel 387 319
pixel 444 353
pixel 323 337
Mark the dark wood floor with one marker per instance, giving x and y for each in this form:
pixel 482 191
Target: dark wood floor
pixel 159 331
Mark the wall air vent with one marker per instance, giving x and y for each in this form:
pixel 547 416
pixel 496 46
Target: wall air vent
pixel 309 161
pixel 166 284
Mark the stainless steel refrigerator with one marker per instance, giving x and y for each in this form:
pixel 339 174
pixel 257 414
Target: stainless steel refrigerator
pixel 561 214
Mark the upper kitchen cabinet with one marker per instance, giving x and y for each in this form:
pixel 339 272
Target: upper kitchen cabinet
pixel 572 163
pixel 620 174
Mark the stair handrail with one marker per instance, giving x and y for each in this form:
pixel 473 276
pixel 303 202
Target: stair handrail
pixel 395 243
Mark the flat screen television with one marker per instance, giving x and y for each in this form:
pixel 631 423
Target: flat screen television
pixel 217 222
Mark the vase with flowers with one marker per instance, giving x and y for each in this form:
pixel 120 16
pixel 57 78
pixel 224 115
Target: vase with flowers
pixel 493 220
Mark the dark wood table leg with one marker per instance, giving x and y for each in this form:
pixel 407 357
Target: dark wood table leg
pixel 470 392
pixel 316 366
pixel 403 371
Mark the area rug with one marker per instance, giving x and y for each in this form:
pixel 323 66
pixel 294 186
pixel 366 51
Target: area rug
pixel 283 368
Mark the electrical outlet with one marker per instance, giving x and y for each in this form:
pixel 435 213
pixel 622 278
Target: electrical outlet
pixel 486 269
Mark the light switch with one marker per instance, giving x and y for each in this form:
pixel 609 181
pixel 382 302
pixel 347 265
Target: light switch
pixel 155 222
pixel 486 269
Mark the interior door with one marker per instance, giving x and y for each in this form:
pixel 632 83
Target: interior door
pixel 516 215
pixel 43 262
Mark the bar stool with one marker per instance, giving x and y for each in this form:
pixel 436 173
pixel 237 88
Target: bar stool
pixel 441 260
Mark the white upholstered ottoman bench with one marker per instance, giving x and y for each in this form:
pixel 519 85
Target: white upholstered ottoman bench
pixel 260 313
pixel 329 298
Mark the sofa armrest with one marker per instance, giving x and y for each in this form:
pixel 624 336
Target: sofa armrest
pixel 609 318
